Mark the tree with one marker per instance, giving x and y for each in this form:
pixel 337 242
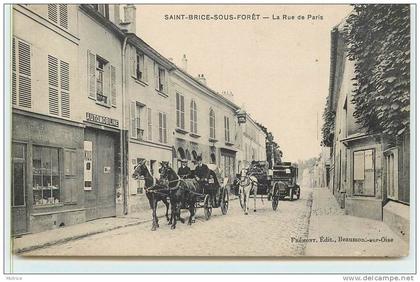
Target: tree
pixel 378 38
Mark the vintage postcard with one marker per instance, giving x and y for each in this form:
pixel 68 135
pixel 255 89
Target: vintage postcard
pixel 225 130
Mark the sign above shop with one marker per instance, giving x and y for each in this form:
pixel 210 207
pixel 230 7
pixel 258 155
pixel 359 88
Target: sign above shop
pixel 102 120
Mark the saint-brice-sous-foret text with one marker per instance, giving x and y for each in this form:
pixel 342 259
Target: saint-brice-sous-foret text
pixel 241 17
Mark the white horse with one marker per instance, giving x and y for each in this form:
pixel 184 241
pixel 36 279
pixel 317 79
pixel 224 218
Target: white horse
pixel 247 184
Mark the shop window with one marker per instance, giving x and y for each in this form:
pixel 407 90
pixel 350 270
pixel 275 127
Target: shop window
pixel 46 176
pixel 364 172
pixel 391 162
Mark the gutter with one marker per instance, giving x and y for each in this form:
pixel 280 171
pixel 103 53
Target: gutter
pixel 122 137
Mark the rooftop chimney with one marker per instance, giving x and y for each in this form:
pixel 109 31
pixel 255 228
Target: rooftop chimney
pixel 128 21
pixel 202 79
pixel 184 62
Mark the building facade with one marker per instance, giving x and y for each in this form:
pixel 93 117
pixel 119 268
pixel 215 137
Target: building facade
pixel 90 99
pixel 369 173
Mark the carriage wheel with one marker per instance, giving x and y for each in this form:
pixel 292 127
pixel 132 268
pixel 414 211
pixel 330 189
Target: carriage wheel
pixel 275 197
pixel 224 205
pixel 207 207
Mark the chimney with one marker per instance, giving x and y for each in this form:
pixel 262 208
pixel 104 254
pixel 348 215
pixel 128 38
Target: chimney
pixel 184 62
pixel 202 79
pixel 128 21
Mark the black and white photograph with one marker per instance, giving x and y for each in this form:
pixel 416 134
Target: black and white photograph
pixel 209 131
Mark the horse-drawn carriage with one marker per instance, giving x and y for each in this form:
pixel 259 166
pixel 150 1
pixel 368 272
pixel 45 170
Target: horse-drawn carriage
pixel 257 180
pixel 184 193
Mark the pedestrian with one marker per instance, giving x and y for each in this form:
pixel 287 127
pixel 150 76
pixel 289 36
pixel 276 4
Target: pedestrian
pixel 184 171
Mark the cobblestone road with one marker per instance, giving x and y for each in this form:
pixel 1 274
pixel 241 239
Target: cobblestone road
pixel 264 233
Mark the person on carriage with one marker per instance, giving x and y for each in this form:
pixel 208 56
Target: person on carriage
pixel 201 172
pixel 184 171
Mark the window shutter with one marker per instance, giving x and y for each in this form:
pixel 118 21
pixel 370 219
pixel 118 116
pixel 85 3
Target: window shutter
pixel 63 15
pixel 145 69
pixel 182 112
pixel 14 82
pixel 149 123
pixel 52 12
pixel 65 88
pixel 156 77
pixel 53 85
pixel 24 66
pixel 107 83
pixel 133 62
pixel 160 128
pixel 113 87
pixel 178 117
pixel 91 64
pixel 133 119
pixel 165 138
pixel 166 90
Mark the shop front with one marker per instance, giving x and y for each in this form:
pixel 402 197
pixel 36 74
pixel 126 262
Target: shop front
pixel 47 173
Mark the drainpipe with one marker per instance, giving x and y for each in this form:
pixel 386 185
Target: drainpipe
pixel 122 134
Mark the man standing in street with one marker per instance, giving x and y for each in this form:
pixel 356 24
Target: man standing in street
pixel 184 171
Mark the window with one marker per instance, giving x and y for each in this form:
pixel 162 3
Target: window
pixel 58 14
pixel 163 138
pixel 103 9
pixel 140 67
pixel 228 165
pixel 21 74
pixel 391 162
pixel 227 129
pixel 18 174
pixel 180 111
pixel 160 79
pixel 364 172
pixel 69 162
pixel 212 124
pixel 101 80
pixel 46 176
pixel 58 87
pixel 149 124
pixel 136 111
pixel 193 117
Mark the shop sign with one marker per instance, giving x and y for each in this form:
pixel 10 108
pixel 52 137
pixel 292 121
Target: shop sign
pixel 102 120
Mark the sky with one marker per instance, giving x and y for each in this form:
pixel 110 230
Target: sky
pixel 277 69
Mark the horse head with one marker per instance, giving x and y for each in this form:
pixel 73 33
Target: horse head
pixel 140 170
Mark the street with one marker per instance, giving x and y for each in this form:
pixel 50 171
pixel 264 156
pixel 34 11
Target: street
pixel 263 233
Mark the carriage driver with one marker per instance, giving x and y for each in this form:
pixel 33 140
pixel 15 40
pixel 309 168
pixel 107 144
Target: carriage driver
pixel 184 171
pixel 201 172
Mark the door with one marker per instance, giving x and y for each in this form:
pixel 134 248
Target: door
pixel 100 199
pixel 19 198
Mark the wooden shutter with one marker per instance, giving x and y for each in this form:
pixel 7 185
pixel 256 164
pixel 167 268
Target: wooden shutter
pixel 63 15
pixel 65 89
pixel 53 85
pixel 182 112
pixel 156 76
pixel 149 124
pixel 52 12
pixel 166 90
pixel 14 79
pixel 132 64
pixel 145 68
pixel 165 135
pixel 160 128
pixel 113 87
pixel 133 119
pixel 107 83
pixel 91 69
pixel 24 80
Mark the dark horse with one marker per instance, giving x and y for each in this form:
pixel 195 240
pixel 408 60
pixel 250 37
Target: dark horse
pixel 183 193
pixel 154 192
